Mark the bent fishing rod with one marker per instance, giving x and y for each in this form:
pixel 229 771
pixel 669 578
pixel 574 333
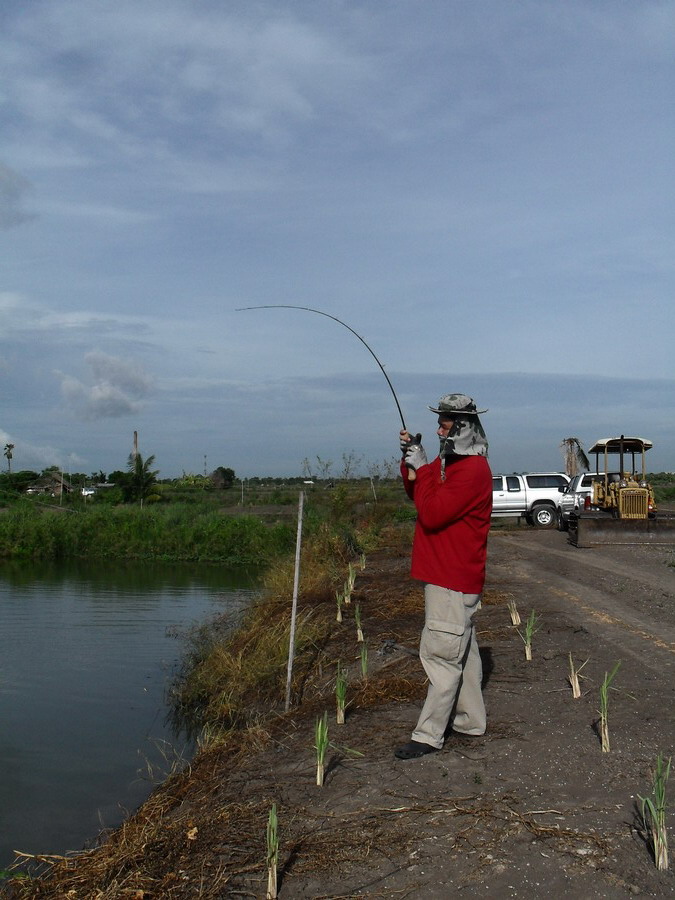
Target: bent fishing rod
pixel 320 312
pixel 335 319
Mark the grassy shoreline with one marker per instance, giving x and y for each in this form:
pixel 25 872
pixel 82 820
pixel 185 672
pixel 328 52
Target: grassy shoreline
pixel 174 534
pixel 233 679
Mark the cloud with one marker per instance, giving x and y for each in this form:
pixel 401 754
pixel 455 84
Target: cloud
pixel 245 70
pixel 12 189
pixel 27 455
pixel 104 213
pixel 118 388
pixel 124 374
pixel 21 319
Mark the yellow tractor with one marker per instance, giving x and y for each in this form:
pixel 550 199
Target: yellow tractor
pixel 621 507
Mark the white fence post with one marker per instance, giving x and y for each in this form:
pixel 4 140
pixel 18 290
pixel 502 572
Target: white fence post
pixel 294 608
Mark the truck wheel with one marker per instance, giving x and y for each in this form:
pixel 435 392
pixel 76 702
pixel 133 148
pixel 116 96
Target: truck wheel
pixel 543 516
pixel 561 522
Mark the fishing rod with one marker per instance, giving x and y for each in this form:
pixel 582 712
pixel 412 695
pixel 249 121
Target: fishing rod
pixel 335 319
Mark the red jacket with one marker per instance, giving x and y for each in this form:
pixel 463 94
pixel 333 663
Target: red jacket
pixel 453 520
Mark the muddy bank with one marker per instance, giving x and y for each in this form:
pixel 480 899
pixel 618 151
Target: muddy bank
pixel 532 806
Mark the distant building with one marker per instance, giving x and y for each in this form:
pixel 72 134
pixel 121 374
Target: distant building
pixel 52 483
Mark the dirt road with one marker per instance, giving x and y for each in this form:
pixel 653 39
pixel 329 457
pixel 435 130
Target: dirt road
pixel 624 595
pixel 534 808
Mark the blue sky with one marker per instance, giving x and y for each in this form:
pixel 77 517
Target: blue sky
pixel 483 190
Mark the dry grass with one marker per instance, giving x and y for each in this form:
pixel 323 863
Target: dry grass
pixel 313 843
pixel 385 606
pixel 230 682
pixel 492 597
pixel 387 687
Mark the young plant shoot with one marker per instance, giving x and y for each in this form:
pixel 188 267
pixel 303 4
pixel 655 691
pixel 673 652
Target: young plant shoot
pixel 339 597
pixel 653 812
pixel 604 707
pixel 321 746
pixel 357 620
pixel 351 577
pixel 272 853
pixel 340 694
pixel 513 611
pixel 531 628
pixel 364 660
pixel 574 676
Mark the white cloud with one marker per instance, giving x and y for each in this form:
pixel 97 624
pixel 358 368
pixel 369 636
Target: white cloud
pixel 160 67
pixel 22 319
pixel 98 401
pixel 106 213
pixel 117 389
pixel 123 374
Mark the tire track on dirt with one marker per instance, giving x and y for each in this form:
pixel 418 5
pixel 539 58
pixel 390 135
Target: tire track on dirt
pixel 611 616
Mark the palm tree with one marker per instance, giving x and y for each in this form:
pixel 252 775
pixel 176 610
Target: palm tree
pixel 8 454
pixel 142 478
pixel 574 455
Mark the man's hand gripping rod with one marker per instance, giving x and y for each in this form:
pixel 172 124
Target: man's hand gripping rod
pixel 407 438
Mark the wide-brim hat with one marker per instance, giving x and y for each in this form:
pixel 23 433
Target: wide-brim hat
pixel 456 405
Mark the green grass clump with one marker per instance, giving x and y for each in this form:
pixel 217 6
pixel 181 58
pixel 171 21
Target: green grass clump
pixel 272 841
pixel 321 744
pixel 532 626
pixel 653 812
pixel 604 707
pixel 174 533
pixel 340 694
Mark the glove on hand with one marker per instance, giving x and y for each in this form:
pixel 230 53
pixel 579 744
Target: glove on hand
pixel 406 439
pixel 415 456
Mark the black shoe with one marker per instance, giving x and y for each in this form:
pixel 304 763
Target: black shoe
pixel 413 750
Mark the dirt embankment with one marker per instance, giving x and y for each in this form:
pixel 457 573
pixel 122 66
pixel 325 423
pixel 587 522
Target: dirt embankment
pixel 532 808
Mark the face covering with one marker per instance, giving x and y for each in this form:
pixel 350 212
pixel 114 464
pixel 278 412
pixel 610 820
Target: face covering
pixel 465 438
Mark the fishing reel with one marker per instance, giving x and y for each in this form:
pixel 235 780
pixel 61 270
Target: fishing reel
pixel 411 439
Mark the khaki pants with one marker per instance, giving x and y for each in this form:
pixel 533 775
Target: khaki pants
pixel 449 654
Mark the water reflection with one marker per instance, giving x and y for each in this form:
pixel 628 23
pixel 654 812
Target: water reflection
pixel 125 576
pixel 86 653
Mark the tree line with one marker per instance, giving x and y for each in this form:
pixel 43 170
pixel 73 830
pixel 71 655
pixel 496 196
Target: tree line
pixel 138 483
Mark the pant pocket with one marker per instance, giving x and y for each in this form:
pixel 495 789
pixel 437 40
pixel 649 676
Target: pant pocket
pixel 445 626
pixel 442 640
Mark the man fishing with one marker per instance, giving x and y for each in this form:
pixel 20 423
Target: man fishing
pixel 453 498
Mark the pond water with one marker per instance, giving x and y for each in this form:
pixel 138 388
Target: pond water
pixel 86 655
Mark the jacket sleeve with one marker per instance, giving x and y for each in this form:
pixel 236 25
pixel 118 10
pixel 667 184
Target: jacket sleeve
pixel 407 484
pixel 439 504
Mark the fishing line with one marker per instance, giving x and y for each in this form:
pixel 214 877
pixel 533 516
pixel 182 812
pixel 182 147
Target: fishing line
pixel 335 319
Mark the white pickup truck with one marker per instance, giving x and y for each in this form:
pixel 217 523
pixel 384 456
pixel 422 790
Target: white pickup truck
pixel 534 496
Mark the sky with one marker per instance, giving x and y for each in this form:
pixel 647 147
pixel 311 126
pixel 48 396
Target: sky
pixel 483 191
